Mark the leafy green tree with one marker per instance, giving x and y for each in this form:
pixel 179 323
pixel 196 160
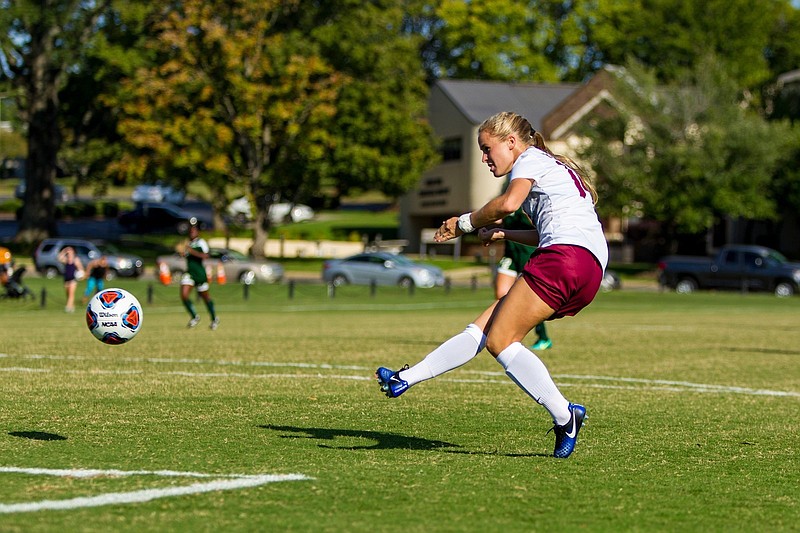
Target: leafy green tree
pixel 89 125
pixel 12 142
pixel 674 36
pixel 39 45
pixel 687 153
pixel 783 48
pixel 279 98
pixel 510 40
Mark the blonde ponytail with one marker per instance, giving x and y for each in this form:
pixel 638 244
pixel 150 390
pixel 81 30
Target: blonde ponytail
pixel 505 123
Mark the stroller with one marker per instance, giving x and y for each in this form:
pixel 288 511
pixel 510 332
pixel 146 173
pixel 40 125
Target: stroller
pixel 11 280
pixel 14 288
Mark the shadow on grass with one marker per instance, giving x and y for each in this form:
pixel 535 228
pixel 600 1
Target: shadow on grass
pixel 382 441
pixel 36 435
pixel 765 351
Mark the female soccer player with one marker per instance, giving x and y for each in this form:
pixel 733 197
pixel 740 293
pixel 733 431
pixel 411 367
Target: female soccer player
pixel 562 276
pixel 195 276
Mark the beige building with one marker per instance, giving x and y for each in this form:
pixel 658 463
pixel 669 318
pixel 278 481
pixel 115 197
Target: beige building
pixel 461 182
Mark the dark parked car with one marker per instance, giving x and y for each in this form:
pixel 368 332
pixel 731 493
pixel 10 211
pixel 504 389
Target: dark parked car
pixel 383 269
pixel 157 217
pixel 734 267
pixel 45 257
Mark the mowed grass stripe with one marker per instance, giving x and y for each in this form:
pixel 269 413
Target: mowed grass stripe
pixel 641 384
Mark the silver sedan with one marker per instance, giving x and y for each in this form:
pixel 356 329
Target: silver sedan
pixel 236 265
pixel 381 268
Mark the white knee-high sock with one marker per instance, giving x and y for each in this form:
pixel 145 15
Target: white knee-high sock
pixel 529 372
pixel 451 354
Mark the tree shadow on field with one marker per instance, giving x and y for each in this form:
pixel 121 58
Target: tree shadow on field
pixel 382 441
pixel 36 435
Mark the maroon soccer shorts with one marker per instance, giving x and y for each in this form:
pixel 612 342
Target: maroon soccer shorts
pixel 565 277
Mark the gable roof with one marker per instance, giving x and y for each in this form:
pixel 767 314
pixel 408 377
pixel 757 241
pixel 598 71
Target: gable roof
pixel 478 100
pixel 588 98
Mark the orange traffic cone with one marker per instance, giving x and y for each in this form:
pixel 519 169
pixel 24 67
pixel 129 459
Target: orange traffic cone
pixel 164 275
pixel 221 279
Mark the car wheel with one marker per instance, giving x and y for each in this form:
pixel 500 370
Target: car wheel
pixel 248 277
pixel 339 280
pixel 405 282
pixel 183 227
pixel 784 289
pixel 111 274
pixel 51 272
pixel 686 286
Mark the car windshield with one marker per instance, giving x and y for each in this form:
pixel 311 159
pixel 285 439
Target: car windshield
pixel 777 257
pixel 232 254
pixel 403 260
pixel 236 255
pixel 109 249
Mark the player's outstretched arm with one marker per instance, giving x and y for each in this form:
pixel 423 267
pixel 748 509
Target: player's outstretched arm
pixel 495 210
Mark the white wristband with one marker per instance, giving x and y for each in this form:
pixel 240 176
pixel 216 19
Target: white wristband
pixel 465 224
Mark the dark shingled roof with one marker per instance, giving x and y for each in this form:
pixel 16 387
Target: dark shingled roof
pixel 479 100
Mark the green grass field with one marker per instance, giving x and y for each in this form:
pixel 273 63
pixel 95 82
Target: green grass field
pixel 692 404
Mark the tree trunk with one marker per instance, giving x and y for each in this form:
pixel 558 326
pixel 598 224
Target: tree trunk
pixel 260 234
pixel 38 219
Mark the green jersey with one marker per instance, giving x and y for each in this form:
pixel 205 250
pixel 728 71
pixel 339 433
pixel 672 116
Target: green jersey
pixel 194 264
pixel 518 253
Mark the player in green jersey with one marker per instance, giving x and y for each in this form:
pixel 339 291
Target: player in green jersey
pixel 195 276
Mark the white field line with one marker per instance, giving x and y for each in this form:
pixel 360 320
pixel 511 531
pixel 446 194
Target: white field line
pixel 606 382
pixel 220 482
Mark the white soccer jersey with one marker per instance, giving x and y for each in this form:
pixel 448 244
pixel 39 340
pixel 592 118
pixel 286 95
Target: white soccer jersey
pixel 558 205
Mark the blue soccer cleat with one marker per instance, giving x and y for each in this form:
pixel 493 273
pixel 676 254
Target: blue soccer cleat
pixel 567 435
pixel 390 382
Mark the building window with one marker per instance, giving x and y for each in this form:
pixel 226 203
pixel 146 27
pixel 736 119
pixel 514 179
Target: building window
pixel 451 149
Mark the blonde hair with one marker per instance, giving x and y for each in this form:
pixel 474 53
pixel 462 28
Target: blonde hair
pixel 506 123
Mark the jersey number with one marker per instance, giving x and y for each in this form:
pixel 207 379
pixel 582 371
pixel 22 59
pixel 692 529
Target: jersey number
pixel 575 179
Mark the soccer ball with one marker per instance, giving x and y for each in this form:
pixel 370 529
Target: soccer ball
pixel 114 316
